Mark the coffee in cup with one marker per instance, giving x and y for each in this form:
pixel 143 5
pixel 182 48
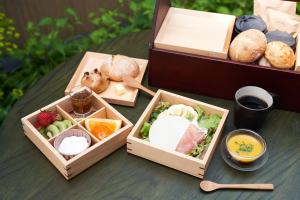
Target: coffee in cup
pixel 252 105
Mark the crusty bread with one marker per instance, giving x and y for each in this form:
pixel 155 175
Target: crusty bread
pixel 119 67
pixel 264 62
pixel 248 46
pixel 280 55
pixel 95 81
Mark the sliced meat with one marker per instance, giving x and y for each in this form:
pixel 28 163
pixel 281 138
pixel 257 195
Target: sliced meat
pixel 190 139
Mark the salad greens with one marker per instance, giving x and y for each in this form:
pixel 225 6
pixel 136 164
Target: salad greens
pixel 145 130
pixel 190 117
pixel 210 122
pixel 200 112
pixel 162 106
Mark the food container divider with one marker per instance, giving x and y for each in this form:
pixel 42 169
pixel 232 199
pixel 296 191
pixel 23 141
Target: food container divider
pixel 98 149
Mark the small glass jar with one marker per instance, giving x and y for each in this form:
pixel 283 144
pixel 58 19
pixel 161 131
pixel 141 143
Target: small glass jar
pixel 81 98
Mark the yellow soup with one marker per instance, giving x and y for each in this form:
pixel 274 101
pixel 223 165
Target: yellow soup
pixel 244 148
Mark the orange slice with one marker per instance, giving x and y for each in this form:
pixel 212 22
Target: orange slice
pixel 101 128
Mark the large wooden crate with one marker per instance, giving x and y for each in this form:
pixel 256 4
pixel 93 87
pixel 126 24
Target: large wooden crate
pixel 97 150
pixel 211 76
pixel 194 166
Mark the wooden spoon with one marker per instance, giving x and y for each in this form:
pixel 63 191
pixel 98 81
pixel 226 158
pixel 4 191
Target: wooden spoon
pixel 131 82
pixel 209 186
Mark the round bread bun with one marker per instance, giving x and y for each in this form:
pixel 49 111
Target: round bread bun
pixel 95 81
pixel 280 55
pixel 119 67
pixel 264 62
pixel 248 46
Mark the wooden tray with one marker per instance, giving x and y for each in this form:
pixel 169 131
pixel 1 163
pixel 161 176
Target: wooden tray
pixel 92 60
pixel 190 165
pixel 196 32
pixel 216 77
pixel 97 150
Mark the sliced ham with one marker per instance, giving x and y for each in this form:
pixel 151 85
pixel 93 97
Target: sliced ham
pixel 190 139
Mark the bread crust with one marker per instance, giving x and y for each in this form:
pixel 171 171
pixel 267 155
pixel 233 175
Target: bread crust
pixel 280 55
pixel 248 46
pixel 119 67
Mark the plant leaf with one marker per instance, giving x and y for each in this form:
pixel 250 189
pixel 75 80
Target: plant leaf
pixel 62 22
pixel 45 21
pixel 73 13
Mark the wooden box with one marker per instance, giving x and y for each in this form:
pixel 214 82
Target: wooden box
pixel 185 163
pixel 215 76
pixel 92 60
pixel 186 31
pixel 97 150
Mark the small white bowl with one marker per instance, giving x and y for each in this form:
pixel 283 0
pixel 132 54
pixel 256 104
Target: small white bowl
pixel 69 133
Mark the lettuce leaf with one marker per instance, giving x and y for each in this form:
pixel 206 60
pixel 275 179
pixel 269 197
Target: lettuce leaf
pixel 200 112
pixel 162 106
pixel 211 122
pixel 145 130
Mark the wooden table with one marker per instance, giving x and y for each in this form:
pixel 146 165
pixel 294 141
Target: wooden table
pixel 26 174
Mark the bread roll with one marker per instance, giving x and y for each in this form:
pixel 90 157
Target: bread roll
pixel 282 36
pixel 264 62
pixel 248 46
pixel 280 55
pixel 119 67
pixel 95 81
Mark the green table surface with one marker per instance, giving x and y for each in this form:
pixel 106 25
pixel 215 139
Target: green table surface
pixel 25 173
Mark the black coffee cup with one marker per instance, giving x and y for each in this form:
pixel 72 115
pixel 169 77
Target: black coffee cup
pixel 252 105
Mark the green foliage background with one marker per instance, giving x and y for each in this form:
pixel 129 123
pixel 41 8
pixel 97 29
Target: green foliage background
pixel 45 47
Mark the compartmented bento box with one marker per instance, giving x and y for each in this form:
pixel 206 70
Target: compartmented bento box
pixel 98 148
pixel 174 67
pixel 139 146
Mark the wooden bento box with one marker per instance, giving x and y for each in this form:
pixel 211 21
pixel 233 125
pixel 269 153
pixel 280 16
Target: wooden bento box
pixel 194 166
pixel 98 149
pixel 186 70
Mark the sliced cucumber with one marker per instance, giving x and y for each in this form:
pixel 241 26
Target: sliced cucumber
pixel 60 125
pixel 53 129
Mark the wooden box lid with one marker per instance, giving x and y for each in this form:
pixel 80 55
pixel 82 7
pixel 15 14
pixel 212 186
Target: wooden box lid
pixel 196 32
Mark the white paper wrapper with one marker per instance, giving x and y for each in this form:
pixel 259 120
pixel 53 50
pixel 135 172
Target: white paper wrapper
pixel 281 21
pixel 260 8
